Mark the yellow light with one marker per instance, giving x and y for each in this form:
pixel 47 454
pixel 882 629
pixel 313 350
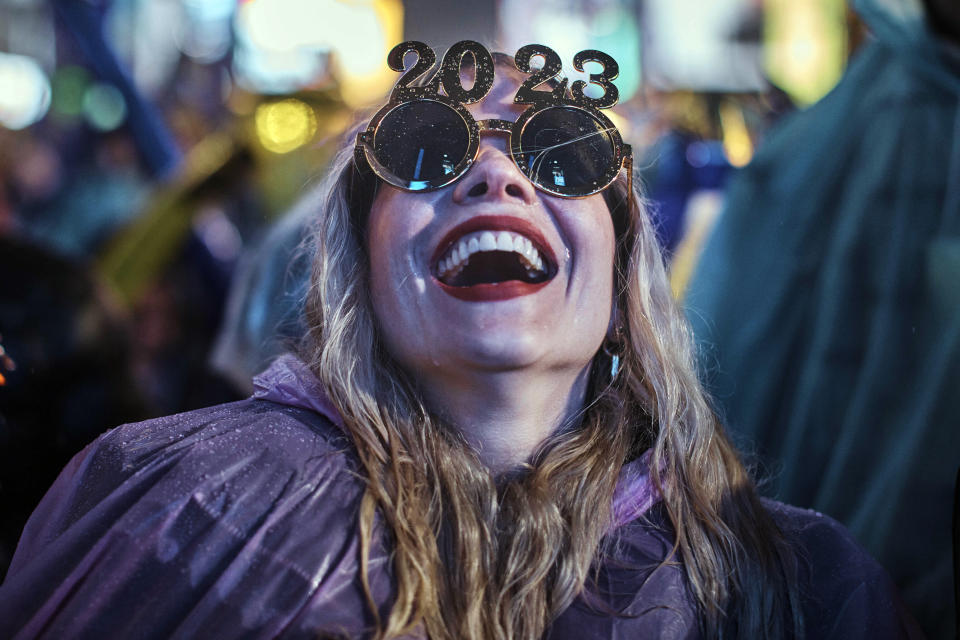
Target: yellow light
pixel 805 46
pixel 362 48
pixel 702 213
pixel 285 125
pixel 737 145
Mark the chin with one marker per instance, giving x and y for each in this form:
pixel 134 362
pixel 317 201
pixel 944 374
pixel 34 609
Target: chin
pixel 507 352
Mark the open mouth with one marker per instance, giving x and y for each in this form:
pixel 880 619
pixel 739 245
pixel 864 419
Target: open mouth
pixel 492 257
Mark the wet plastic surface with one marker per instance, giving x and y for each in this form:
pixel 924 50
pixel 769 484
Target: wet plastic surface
pixel 239 521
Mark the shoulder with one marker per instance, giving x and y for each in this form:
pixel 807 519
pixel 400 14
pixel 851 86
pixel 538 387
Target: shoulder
pixel 234 441
pixel 215 438
pixel 818 536
pixel 844 592
pixel 275 426
pixel 245 507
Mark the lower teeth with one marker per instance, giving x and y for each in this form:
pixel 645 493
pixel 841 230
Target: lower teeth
pixel 487 270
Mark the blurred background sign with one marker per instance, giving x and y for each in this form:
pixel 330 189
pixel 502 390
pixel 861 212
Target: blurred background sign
pixel 285 45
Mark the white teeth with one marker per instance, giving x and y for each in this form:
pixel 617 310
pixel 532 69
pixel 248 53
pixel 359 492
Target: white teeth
pixel 488 242
pixel 459 254
pixel 526 248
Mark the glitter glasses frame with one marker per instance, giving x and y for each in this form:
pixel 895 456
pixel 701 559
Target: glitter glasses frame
pixel 457 98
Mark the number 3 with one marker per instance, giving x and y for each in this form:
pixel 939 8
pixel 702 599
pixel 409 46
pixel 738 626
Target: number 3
pixel 610 71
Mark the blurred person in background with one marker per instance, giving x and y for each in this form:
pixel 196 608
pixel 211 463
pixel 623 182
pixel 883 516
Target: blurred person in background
pixel 263 317
pixel 66 344
pixel 83 358
pixel 827 302
pixel 495 429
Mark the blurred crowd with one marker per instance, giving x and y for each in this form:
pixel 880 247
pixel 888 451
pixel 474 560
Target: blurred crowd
pixel 149 234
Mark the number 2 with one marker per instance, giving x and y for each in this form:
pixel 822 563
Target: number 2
pixel 425 60
pixel 552 68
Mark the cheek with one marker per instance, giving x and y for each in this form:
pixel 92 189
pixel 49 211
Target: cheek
pixel 391 227
pixel 395 282
pixel 599 249
pixel 377 233
pixel 592 228
pixel 383 236
pixel 392 316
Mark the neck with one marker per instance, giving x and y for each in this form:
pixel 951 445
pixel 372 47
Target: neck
pixel 506 415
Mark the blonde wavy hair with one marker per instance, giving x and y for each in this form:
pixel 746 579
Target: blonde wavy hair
pixel 476 556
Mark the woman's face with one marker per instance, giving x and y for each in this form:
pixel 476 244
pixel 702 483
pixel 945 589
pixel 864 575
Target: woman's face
pixel 445 318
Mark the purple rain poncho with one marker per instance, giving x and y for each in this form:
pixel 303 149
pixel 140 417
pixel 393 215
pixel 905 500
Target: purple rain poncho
pixel 240 521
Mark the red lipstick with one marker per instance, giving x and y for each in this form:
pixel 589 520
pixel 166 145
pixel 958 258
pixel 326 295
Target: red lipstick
pixel 491 292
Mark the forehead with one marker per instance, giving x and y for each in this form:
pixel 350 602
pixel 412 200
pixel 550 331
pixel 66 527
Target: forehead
pixel 499 102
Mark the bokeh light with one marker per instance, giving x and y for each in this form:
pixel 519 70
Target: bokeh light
pixel 104 107
pixel 285 125
pixel 805 46
pixel 692 44
pixel 70 83
pixel 206 35
pixel 24 91
pixel 737 145
pixel 567 30
pixel 145 36
pixel 285 45
pixel 615 32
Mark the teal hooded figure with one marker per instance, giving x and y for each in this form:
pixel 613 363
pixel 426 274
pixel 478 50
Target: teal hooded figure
pixel 827 301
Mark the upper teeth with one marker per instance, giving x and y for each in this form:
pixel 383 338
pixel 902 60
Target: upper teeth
pixel 458 255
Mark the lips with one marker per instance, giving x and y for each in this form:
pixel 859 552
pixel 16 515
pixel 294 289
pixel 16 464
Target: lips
pixel 493 258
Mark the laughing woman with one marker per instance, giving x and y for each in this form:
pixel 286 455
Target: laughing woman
pixel 494 429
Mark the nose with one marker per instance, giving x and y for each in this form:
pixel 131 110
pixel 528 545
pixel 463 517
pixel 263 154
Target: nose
pixel 494 176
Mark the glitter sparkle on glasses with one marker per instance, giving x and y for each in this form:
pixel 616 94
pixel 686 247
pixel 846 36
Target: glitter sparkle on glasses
pixel 423 140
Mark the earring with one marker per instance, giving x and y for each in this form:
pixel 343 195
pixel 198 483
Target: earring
pixel 613 348
pixel 614 367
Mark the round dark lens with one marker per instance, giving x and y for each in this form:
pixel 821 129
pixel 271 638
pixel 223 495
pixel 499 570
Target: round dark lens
pixel 421 141
pixel 567 150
